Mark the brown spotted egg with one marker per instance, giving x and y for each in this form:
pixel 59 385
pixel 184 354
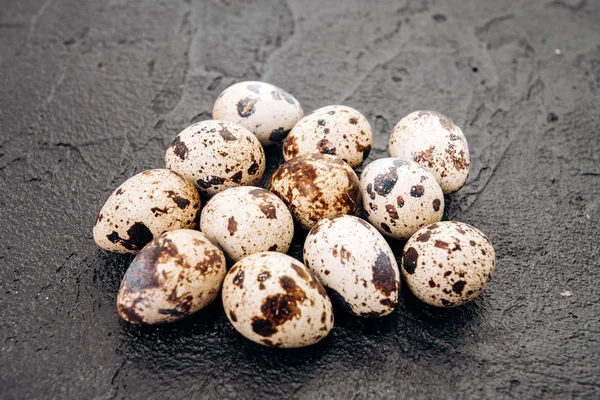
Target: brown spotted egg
pixel 216 155
pixel 175 275
pixel 355 264
pixel 316 186
pixel 247 220
pixel 336 130
pixel 143 207
pixel 437 144
pixel 448 264
pixel 400 197
pixel 273 299
pixel 265 110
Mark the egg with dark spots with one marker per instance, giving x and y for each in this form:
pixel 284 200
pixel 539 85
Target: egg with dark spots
pixel 316 186
pixel 353 260
pixel 265 110
pixel 274 300
pixel 336 130
pixel 216 155
pixel 448 264
pixel 175 275
pixel 399 197
pixel 143 207
pixel 436 143
pixel 246 220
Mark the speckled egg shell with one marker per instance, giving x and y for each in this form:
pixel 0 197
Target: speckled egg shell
pixel 436 143
pixel 247 220
pixel 143 207
pixel 355 264
pixel 265 110
pixel 316 186
pixel 336 130
pixel 216 155
pixel 175 275
pixel 399 197
pixel 273 299
pixel 448 264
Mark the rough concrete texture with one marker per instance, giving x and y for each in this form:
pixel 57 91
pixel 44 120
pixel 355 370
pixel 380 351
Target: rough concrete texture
pixel 93 91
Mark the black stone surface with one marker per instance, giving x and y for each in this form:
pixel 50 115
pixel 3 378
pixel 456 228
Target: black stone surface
pixel 93 91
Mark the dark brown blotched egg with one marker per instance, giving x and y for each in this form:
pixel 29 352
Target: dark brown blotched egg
pixel 436 143
pixel 273 299
pixel 448 263
pixel 143 207
pixel 355 264
pixel 399 197
pixel 264 109
pixel 316 186
pixel 216 155
pixel 175 275
pixel 336 130
pixel 247 220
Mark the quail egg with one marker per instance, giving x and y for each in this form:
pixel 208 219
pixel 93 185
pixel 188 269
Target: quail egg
pixel 316 186
pixel 273 299
pixel 143 207
pixel 265 110
pixel 399 197
pixel 336 130
pixel 175 275
pixel 355 264
pixel 448 264
pixel 437 144
pixel 246 220
pixel 216 155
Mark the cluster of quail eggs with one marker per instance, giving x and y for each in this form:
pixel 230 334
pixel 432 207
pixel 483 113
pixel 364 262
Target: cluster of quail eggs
pixel 212 169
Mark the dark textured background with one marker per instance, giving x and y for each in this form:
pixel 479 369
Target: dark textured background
pixel 93 91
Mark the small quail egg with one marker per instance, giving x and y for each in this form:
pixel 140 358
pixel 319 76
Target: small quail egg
pixel 175 275
pixel 273 299
pixel 143 207
pixel 247 220
pixel 448 264
pixel 399 197
pixel 265 110
pixel 355 264
pixel 316 186
pixel 216 155
pixel 437 144
pixel 336 130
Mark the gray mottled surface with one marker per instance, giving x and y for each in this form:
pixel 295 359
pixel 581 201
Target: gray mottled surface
pixel 93 91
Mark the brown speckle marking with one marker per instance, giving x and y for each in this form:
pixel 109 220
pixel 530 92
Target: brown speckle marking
pixel 237 177
pixel 253 168
pixel 179 148
pixel 423 237
pixel 245 107
pixel 226 134
pixel 458 287
pixel 238 279
pixel 233 316
pixel 353 120
pixel 139 235
pixel 384 183
pixel 386 227
pixel 232 226
pixel 436 204
pixel 326 147
pixel 391 210
pixel 208 181
pixel 384 277
pixel 410 259
pixel 180 201
pixel 417 191
pixel 277 309
pixel 440 244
